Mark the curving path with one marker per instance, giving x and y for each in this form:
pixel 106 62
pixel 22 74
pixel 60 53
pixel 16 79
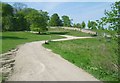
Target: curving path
pixel 36 63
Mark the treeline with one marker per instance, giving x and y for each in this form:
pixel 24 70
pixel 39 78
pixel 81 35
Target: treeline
pixel 19 18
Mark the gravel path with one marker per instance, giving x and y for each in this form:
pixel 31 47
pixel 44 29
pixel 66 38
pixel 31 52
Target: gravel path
pixel 36 63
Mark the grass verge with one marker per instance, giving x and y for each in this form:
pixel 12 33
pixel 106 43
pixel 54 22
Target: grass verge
pixel 67 32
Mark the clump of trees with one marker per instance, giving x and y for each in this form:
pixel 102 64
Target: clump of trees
pixel 19 18
pixel 80 25
pixel 7 16
pixel 92 25
pixel 38 20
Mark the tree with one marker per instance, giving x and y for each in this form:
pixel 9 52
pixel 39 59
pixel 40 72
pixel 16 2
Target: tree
pixel 7 16
pixel 20 23
pixel 89 24
pixel 74 25
pixel 66 21
pixel 38 21
pixel 7 9
pixel 100 24
pixel 83 25
pixel 24 12
pixel 55 20
pixel 7 23
pixel 78 25
pixel 93 25
pixel 112 16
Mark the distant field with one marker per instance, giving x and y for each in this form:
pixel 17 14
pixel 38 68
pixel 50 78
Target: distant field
pixel 97 57
pixel 11 39
pixel 67 32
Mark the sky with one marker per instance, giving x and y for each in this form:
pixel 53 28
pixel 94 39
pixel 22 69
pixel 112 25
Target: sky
pixel 78 11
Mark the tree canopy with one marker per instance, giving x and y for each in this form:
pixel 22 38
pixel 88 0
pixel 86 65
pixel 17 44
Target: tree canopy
pixel 83 25
pixel 111 17
pixel 38 20
pixel 19 18
pixel 55 20
pixel 66 21
pixel 7 16
pixel 19 6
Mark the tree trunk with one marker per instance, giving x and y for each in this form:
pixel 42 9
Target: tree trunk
pixel 39 32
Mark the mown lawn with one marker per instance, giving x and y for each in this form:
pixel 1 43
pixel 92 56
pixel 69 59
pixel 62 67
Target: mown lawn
pixel 98 57
pixel 11 40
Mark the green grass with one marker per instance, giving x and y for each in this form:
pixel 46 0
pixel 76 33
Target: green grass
pixel 97 57
pixel 108 32
pixel 67 32
pixel 11 40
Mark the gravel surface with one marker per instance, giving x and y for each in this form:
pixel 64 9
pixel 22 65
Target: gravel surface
pixel 33 62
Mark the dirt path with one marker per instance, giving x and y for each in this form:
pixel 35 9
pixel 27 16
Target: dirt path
pixel 36 63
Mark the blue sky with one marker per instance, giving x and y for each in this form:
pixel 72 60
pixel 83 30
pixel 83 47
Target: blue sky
pixel 78 11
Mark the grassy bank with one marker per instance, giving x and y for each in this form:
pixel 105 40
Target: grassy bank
pixel 11 39
pixel 97 57
pixel 67 32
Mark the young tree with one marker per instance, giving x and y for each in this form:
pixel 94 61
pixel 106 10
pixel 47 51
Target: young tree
pixel 55 20
pixel 112 16
pixel 83 25
pixel 89 24
pixel 66 21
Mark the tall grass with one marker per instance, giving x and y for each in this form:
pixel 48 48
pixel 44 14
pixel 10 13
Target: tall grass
pixel 97 57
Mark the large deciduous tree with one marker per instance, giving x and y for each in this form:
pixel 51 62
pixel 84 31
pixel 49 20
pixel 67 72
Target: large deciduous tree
pixel 20 23
pixel 38 20
pixel 7 16
pixel 7 9
pixel 66 21
pixel 55 20
pixel 112 16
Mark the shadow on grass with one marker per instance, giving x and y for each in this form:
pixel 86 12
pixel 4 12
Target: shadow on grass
pixel 54 33
pixel 10 37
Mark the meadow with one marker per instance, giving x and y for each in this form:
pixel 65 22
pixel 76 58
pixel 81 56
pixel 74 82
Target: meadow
pixel 68 32
pixel 96 56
